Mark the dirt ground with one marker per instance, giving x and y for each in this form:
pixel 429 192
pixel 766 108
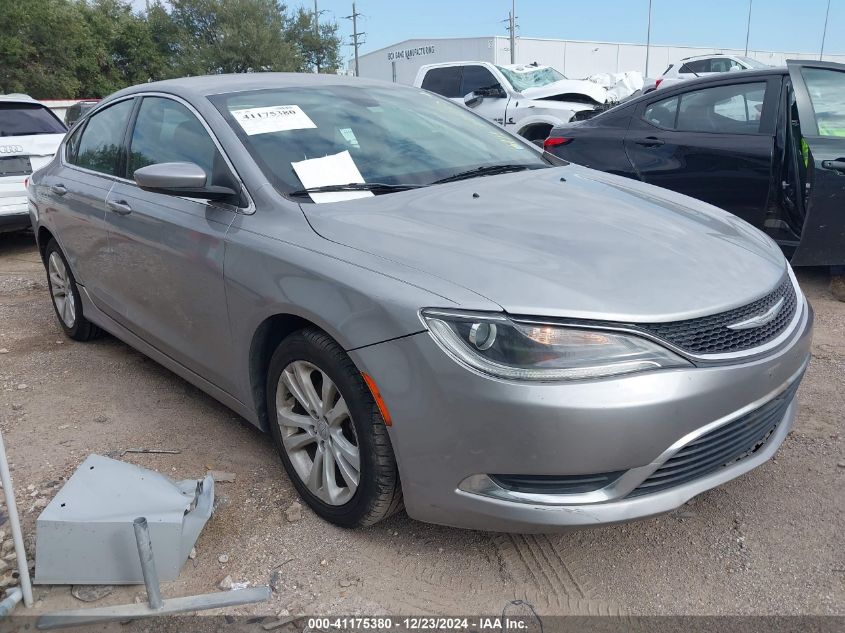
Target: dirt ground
pixel 770 542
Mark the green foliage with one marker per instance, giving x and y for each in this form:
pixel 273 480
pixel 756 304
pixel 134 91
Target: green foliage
pixel 55 49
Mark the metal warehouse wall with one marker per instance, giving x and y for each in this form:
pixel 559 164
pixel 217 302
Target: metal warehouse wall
pixel 575 59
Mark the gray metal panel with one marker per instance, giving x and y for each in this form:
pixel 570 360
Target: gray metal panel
pixel 85 535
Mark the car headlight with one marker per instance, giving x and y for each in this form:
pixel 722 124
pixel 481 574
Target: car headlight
pixel 499 346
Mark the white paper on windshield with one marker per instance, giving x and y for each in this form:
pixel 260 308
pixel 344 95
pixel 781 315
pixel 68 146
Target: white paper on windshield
pixel 272 119
pixel 337 169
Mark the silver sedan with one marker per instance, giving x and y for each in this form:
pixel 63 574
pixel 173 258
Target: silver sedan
pixel 420 307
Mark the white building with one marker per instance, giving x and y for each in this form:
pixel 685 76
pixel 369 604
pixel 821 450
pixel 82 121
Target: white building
pixel 575 59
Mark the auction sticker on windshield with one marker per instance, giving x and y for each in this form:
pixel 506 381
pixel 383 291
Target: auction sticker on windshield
pixel 272 119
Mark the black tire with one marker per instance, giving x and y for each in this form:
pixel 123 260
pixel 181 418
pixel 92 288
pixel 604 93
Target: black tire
pixel 379 492
pixel 81 328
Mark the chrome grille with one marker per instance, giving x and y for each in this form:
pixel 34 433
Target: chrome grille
pixel 720 447
pixel 710 334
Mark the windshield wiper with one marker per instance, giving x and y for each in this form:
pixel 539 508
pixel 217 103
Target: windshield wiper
pixel 375 187
pixel 488 170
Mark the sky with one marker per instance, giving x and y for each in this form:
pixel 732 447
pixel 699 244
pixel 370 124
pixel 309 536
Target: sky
pixel 778 25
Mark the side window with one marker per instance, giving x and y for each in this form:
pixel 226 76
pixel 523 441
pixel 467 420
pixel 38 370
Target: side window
pixel 697 66
pixel 444 81
pixel 102 138
pixel 733 109
pixel 827 95
pixel 662 113
pixel 167 132
pixel 476 78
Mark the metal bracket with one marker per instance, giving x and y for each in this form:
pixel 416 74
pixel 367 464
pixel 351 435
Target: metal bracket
pixel 157 606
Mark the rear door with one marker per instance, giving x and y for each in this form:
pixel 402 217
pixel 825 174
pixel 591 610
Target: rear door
pixel 75 193
pixel 820 95
pixel 714 143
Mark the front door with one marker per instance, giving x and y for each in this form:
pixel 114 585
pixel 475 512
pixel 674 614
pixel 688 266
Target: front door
pixel 478 79
pixel 820 98
pixel 165 277
pixel 715 144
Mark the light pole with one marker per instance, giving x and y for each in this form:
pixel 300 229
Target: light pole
pixel 748 28
pixel 648 39
pixel 824 33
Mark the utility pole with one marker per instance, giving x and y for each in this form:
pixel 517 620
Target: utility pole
pixel 316 38
pixel 511 28
pixel 513 31
pixel 748 27
pixel 648 39
pixel 356 41
pixel 824 33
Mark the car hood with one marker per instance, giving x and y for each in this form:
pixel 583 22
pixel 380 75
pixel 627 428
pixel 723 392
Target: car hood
pixel 564 86
pixel 564 241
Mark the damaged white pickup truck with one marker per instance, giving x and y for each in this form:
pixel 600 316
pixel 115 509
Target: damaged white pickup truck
pixel 527 99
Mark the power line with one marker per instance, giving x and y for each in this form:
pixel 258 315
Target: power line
pixel 356 36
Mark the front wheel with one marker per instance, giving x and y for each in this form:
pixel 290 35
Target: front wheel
pixel 329 433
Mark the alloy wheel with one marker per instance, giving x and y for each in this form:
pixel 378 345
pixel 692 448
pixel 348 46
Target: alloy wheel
pixel 61 290
pixel 317 432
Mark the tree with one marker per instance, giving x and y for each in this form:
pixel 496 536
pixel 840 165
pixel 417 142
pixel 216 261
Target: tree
pixel 319 48
pixel 232 36
pixel 43 48
pixel 61 49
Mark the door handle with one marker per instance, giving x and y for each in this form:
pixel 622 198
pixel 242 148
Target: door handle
pixel 59 189
pixel 650 141
pixel 121 207
pixel 835 165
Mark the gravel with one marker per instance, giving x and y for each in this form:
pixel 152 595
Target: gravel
pixel 769 542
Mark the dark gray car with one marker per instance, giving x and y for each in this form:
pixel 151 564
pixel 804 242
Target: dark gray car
pixel 400 291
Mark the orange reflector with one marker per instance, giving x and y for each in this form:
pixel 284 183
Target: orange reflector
pixel 382 407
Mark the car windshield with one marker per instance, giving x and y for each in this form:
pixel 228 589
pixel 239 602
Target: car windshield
pixel 338 134
pixel 26 119
pixel 531 77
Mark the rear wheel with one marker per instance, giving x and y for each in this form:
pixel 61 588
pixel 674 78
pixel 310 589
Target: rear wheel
pixel 329 432
pixel 65 296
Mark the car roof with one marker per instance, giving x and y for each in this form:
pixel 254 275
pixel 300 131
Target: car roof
pixel 17 97
pixel 694 57
pixel 207 85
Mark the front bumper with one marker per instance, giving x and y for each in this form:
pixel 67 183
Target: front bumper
pixel 452 427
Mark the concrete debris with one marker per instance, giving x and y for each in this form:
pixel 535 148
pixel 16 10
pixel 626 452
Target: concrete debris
pixel 226 583
pixel 223 558
pixel 91 593
pixel 221 476
pixel 193 553
pixel 294 512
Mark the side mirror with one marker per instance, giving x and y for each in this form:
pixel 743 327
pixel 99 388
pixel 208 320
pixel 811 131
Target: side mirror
pixel 180 179
pixel 473 100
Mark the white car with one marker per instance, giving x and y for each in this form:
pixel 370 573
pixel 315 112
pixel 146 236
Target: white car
pixel 702 66
pixel 29 136
pixel 527 99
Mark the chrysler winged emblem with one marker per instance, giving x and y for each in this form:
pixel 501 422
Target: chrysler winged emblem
pixel 758 320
